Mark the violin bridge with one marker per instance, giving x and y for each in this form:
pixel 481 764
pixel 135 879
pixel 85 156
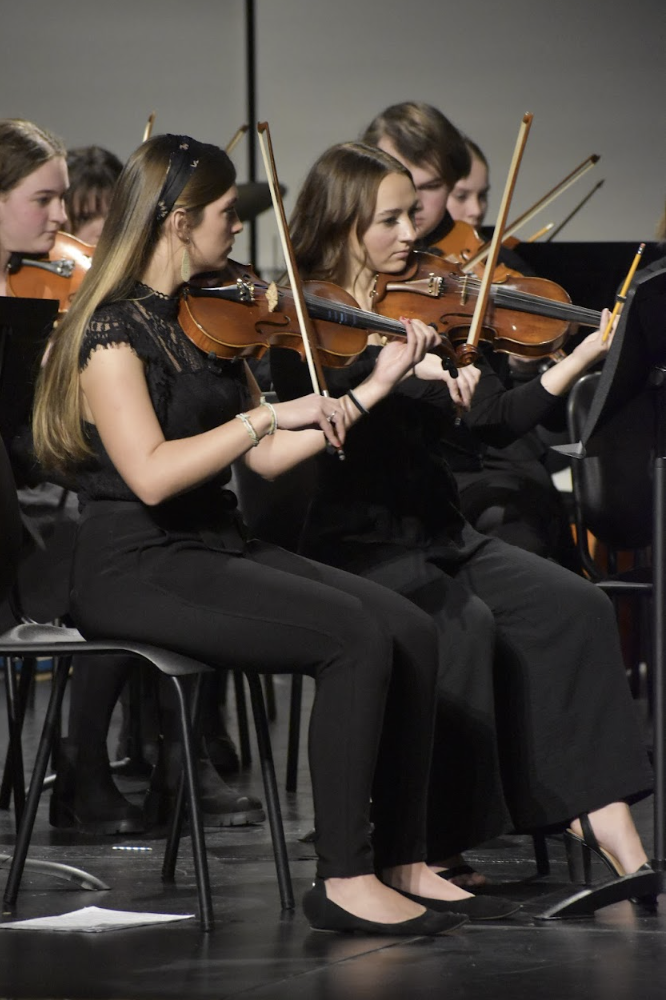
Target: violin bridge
pixel 464 293
pixel 272 296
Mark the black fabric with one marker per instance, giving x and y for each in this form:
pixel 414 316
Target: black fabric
pixel 534 718
pixel 197 586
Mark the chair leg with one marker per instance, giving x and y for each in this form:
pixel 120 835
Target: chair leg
pixel 13 780
pixel 196 825
pixel 541 853
pixel 294 732
pixel 24 832
pixel 241 712
pixel 271 792
pixel 269 697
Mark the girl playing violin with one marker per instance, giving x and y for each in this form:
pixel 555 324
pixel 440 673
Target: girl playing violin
pixel 535 725
pixel 149 426
pixel 33 182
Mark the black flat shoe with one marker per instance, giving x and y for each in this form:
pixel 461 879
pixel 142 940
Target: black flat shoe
pixel 475 908
pixel 325 915
pixel 590 845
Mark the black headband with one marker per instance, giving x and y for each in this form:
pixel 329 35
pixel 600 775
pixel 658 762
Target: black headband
pixel 182 164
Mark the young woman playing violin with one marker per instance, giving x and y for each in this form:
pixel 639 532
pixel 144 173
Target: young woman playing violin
pixel 535 725
pixel 149 425
pixel 495 453
pixel 33 182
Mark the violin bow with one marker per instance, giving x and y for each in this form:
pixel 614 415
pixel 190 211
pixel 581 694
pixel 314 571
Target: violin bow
pixel 575 211
pixel 317 377
pixel 148 130
pixel 235 139
pixel 542 203
pixel 469 350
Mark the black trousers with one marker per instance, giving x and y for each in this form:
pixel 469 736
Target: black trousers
pixel 535 723
pixel 373 656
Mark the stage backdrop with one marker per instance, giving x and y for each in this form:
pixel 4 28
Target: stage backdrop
pixel 592 73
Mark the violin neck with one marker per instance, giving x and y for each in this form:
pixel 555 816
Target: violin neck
pixel 346 315
pixel 537 305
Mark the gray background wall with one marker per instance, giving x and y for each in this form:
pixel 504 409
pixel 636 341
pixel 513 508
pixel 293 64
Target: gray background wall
pixel 591 71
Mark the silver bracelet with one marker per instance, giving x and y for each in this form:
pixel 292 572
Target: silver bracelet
pixel 245 420
pixel 274 420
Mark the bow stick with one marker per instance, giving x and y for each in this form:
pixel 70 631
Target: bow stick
pixel 576 210
pixel 469 350
pixel 235 139
pixel 148 130
pixel 554 193
pixel 306 329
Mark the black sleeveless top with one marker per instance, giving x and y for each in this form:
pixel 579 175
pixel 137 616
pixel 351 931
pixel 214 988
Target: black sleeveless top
pixel 190 391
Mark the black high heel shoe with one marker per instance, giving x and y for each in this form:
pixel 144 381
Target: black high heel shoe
pixel 325 915
pixel 590 845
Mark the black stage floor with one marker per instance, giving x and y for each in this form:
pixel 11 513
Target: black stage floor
pixel 256 952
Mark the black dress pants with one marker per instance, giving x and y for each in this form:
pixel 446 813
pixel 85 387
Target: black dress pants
pixel 372 654
pixel 535 722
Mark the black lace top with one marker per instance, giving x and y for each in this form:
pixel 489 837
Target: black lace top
pixel 191 392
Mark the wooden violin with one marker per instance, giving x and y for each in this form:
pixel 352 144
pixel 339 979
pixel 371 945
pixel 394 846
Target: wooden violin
pixel 529 317
pixel 57 275
pixel 244 316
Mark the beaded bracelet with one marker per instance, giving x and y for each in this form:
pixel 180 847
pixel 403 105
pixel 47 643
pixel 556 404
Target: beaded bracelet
pixel 274 420
pixel 357 403
pixel 245 420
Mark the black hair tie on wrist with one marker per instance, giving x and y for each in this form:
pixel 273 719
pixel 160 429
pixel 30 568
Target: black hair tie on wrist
pixel 357 403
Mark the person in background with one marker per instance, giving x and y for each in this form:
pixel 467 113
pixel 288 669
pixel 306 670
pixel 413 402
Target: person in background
pixel 93 172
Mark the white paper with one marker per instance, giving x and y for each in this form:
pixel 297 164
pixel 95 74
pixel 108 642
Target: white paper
pixel 93 919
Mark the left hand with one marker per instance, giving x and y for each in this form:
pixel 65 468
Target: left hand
pixel 397 359
pixel 593 348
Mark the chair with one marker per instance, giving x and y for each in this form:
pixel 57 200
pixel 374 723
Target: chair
pixel 612 497
pixel 28 640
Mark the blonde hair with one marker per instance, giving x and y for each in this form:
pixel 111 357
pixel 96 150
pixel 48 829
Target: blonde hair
pixel 127 243
pixel 24 147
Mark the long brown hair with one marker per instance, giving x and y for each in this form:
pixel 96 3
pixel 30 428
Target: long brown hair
pixel 127 243
pixel 337 200
pixel 24 147
pixel 423 135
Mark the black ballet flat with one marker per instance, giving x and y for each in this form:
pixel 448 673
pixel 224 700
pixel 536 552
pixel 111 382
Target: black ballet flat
pixel 475 908
pixel 325 915
pixel 590 845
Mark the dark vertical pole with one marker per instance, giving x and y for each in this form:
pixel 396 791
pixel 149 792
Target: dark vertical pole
pixel 658 381
pixel 250 54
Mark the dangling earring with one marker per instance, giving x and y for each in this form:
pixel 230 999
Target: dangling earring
pixel 186 265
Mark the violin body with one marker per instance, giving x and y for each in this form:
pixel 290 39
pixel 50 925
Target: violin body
pixel 462 242
pixel 244 316
pixel 57 276
pixel 529 317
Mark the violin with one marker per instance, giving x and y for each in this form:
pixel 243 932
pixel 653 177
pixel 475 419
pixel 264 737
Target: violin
pixel 245 316
pixel 462 242
pixel 55 276
pixel 529 317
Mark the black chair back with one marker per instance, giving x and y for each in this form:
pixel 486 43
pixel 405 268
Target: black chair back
pixel 613 488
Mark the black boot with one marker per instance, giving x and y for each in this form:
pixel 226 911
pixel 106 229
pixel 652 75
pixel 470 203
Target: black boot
pixel 85 796
pixel 220 804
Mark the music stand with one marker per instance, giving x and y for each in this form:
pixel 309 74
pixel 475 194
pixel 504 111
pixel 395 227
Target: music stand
pixel 635 373
pixel 25 325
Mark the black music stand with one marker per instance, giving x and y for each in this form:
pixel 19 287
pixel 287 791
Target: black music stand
pixel 25 325
pixel 634 377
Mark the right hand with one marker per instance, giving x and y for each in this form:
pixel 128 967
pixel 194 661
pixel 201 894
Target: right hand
pixel 314 412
